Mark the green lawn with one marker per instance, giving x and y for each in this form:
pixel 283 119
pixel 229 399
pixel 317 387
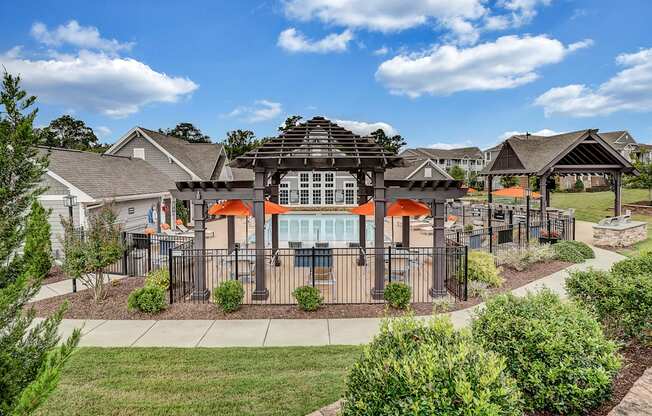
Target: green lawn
pixel 224 381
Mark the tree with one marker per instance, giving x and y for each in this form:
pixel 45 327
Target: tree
pixel 643 180
pixel 239 142
pixel 69 133
pixel 390 143
pixel 38 247
pixel 508 181
pixel 29 362
pixel 457 173
pixel 182 212
pixel 187 132
pixel 88 254
pixel 290 122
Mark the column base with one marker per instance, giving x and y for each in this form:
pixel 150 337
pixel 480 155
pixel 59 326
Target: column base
pixel 438 293
pixel 260 294
pixel 377 294
pixel 200 295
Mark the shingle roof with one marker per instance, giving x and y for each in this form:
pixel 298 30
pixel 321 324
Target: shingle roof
pixel 459 153
pixel 200 158
pixel 613 136
pixel 402 173
pixel 103 176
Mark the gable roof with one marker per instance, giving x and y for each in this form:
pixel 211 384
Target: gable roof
pixel 471 152
pixel 202 160
pixel 412 167
pixel 104 176
pixel 618 139
pixel 528 154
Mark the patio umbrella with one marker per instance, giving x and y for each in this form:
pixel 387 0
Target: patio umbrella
pixel 400 208
pixel 514 192
pixel 471 190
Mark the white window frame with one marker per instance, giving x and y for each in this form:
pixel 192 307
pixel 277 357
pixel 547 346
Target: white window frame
pixel 138 153
pixel 284 193
pixel 350 193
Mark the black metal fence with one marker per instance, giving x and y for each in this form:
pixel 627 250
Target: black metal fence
pixel 343 275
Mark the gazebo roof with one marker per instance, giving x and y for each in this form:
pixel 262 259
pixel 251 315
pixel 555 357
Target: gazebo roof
pixel 578 152
pixel 318 144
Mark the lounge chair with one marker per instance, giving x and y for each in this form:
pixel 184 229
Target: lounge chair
pixel 295 244
pixel 401 259
pixel 322 245
pixel 323 267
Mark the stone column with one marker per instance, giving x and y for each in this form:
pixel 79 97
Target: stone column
pixel 379 234
pixel 230 233
pixel 260 292
pixel 617 193
pixel 406 232
pixel 490 198
pixel 362 220
pixel 276 180
pixel 199 291
pixel 439 249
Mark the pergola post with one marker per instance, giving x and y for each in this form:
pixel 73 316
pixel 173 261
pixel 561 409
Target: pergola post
pixel 276 180
pixel 439 249
pixel 543 189
pixel 230 233
pixel 617 193
pixel 490 199
pixel 362 220
pixel 379 234
pixel 199 291
pixel 406 232
pixel 260 292
pixel 173 213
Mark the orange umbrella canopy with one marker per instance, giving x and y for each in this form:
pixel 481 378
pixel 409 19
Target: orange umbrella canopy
pixel 471 190
pixel 514 192
pixel 237 208
pixel 400 208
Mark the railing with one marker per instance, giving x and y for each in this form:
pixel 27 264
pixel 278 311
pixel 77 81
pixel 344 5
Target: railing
pixel 145 253
pixel 343 275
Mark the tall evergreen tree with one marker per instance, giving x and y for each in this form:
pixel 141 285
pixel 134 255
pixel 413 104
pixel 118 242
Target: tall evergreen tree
pixel 69 133
pixel 29 359
pixel 38 247
pixel 239 142
pixel 390 143
pixel 187 132
pixel 290 122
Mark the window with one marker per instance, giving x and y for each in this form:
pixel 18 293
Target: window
pixel 304 180
pixel 131 210
pixel 349 193
pixel 316 177
pixel 427 172
pixel 139 153
pixel 329 178
pixel 284 194
pixel 329 196
pixel 316 197
pixel 304 197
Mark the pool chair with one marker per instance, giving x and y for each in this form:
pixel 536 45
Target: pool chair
pixel 401 260
pixel 323 267
pixel 322 245
pixel 242 269
pixel 295 244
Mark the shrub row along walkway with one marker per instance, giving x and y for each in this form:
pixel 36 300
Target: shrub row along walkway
pixel 273 332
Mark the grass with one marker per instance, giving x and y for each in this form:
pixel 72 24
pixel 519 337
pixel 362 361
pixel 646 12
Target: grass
pixel 224 381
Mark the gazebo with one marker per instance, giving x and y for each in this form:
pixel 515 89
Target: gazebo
pixel 581 152
pixel 319 144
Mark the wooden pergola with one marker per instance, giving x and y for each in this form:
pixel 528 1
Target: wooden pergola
pixel 320 144
pixel 581 152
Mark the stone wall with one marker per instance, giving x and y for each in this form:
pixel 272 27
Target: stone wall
pixel 623 235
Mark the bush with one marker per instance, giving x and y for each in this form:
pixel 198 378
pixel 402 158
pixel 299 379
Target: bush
pixel 398 295
pixel 568 252
pixel 423 368
pixel 148 299
pixel 481 268
pixel 579 185
pixel 634 266
pixel 585 249
pixel 623 303
pixel 309 298
pixel 556 351
pixel 517 259
pixel 229 295
pixel 159 278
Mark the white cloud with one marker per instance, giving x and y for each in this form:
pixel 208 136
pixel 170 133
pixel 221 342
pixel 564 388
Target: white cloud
pixel 87 37
pixel 262 110
pixel 629 90
pixel 364 129
pixel 542 132
pixel 102 132
pixel 294 41
pixel 97 82
pixel 508 62
pixel 448 146
pixel 381 51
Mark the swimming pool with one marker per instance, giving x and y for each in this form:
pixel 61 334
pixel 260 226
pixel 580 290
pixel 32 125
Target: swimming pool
pixel 310 228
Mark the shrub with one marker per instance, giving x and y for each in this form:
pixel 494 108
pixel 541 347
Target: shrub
pixel 623 303
pixel 38 247
pixel 148 299
pixel 398 295
pixel 568 252
pixel 468 228
pixel 477 289
pixel 309 298
pixel 159 278
pixel 442 304
pixel 634 266
pixel 585 249
pixel 229 295
pixel 422 368
pixel 522 259
pixel 556 351
pixel 579 185
pixel 481 268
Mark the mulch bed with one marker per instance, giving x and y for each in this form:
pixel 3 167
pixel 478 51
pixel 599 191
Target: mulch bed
pixel 82 305
pixel 55 275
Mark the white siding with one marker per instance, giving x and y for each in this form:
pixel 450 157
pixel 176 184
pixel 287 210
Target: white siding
pixel 154 157
pixel 56 229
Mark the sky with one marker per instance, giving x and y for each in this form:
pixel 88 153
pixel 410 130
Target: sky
pixel 442 73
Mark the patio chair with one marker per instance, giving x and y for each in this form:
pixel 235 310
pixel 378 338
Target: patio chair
pixel 183 228
pixel 322 245
pixel 323 267
pixel 295 244
pixel 401 260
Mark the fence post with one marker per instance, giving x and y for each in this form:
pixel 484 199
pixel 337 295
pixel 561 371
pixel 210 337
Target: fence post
pixel 491 239
pixel 170 273
pixel 549 230
pixel 457 237
pixel 149 253
pixel 389 254
pixel 312 265
pixel 125 253
pixel 237 248
pixel 519 235
pixel 466 272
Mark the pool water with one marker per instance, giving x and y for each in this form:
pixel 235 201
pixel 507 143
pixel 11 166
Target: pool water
pixel 310 228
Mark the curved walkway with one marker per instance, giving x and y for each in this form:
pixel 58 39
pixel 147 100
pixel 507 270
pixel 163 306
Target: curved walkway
pixel 274 332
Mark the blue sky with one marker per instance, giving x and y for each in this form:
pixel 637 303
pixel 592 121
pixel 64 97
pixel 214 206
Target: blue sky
pixel 447 72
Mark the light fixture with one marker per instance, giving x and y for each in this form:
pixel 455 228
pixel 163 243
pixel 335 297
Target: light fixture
pixel 69 201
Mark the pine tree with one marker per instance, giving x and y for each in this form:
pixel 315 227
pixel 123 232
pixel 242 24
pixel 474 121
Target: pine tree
pixel 38 247
pixel 29 364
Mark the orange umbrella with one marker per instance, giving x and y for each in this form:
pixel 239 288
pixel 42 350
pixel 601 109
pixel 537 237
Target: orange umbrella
pixel 273 208
pixel 514 192
pixel 365 209
pixel 233 207
pixel 471 190
pixel 407 208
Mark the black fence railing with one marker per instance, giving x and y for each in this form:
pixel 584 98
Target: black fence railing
pixel 343 275
pixel 145 253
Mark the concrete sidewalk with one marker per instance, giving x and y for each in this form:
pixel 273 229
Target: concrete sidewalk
pixel 275 332
pixel 64 287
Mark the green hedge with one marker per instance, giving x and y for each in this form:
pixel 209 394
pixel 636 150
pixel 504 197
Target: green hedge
pixel 160 278
pixel 148 299
pixel 229 295
pixel 482 268
pixel 417 368
pixel 398 295
pixel 309 298
pixel 555 350
pixel 572 251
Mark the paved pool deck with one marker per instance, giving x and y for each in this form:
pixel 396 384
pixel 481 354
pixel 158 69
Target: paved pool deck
pixel 271 332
